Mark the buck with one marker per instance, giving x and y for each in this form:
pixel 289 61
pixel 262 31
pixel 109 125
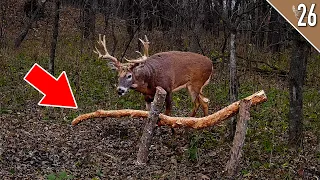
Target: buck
pixel 171 70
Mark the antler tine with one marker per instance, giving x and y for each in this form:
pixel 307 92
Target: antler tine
pixel 97 51
pixel 145 55
pixel 145 41
pixel 139 53
pixel 145 45
pixel 105 45
pixel 99 39
pixel 140 60
pixel 295 11
pixel 134 61
pixel 145 37
pixel 106 55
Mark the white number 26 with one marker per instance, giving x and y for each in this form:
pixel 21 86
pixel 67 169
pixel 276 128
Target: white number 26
pixel 312 17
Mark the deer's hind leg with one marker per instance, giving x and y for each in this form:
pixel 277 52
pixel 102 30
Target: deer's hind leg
pixel 198 99
pixel 204 104
pixel 203 100
pixel 194 93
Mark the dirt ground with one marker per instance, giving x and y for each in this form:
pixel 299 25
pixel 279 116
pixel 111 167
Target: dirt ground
pixel 32 148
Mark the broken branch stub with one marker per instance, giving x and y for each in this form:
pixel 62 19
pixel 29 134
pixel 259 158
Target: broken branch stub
pixel 145 141
pixel 239 138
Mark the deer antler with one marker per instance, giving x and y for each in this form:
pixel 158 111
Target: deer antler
pixel 106 54
pixel 297 12
pixel 145 45
pixel 145 55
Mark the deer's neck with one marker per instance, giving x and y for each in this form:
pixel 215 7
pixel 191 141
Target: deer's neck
pixel 144 78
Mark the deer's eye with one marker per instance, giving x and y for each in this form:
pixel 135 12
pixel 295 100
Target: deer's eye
pixel 129 76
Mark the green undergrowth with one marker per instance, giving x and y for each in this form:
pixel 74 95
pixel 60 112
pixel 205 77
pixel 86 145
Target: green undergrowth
pixel 94 87
pixel 63 175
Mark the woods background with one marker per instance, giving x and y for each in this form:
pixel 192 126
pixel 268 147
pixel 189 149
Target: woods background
pixel 252 48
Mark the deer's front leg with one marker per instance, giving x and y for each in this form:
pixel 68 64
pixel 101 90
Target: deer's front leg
pixel 148 99
pixel 169 107
pixel 168 104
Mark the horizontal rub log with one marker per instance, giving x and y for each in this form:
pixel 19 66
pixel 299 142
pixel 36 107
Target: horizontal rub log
pixel 213 119
pixel 110 113
pixel 196 123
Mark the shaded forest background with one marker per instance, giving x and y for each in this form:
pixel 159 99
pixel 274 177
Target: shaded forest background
pixel 255 21
pixel 61 34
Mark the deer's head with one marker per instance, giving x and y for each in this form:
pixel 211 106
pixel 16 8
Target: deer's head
pixel 126 75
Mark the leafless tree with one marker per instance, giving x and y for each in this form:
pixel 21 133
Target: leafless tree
pixel 55 33
pixel 297 74
pixel 29 24
pixel 3 6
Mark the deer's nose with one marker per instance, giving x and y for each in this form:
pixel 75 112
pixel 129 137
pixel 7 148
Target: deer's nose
pixel 121 91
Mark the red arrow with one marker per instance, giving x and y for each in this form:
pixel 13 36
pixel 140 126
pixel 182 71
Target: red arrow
pixel 57 92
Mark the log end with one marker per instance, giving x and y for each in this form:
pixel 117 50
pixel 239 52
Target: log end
pixel 160 90
pixel 257 98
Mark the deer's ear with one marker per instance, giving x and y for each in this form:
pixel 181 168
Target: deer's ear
pixel 134 85
pixel 113 66
pixel 133 65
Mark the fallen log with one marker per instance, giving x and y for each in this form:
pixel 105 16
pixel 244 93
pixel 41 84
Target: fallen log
pixel 196 123
pixel 111 113
pixel 213 119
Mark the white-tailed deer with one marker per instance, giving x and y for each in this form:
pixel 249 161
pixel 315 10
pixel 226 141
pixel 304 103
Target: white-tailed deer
pixel 171 70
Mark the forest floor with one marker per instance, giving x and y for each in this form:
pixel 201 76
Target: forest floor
pixel 39 142
pixel 101 148
pixel 34 148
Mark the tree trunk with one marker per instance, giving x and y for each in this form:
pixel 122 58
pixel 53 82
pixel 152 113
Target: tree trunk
pixel 3 7
pixel 24 33
pixel 233 84
pixel 142 15
pixel 148 130
pixel 274 34
pixel 198 18
pixel 107 13
pixel 55 32
pixel 129 16
pixel 89 17
pixel 239 138
pixel 297 74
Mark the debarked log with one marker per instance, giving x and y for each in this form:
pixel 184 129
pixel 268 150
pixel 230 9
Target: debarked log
pixel 110 113
pixel 196 123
